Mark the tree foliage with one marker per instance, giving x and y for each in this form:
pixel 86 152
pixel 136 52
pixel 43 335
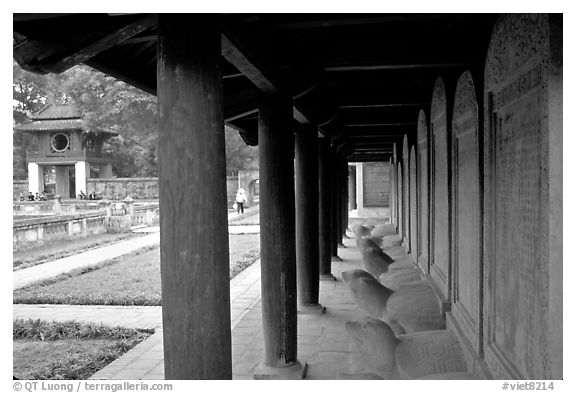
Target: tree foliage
pixel 107 103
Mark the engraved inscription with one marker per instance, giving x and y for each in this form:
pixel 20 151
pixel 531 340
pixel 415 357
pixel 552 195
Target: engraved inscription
pixel 467 222
pixel 423 203
pixel 520 86
pixel 517 219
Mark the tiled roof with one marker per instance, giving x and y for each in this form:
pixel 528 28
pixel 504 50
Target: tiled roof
pixel 58 118
pixel 52 125
pixel 53 112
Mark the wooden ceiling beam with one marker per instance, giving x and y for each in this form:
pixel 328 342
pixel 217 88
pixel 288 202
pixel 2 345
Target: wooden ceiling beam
pixel 407 124
pixel 91 49
pixel 354 20
pixel 261 76
pixel 381 67
pixel 390 105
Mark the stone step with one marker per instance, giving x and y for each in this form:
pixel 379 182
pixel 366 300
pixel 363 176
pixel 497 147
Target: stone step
pixel 429 353
pixel 416 307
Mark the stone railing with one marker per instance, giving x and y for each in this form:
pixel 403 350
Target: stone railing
pixel 79 219
pixel 147 215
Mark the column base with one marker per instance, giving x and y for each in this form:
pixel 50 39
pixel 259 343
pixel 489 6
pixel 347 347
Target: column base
pixel 336 258
pixel 311 309
pixel 294 371
pixel 327 277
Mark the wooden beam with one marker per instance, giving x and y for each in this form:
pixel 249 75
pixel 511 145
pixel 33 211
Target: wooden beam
pixel 240 58
pixel 110 40
pixel 354 20
pixel 363 106
pixel 247 63
pixel 32 17
pixel 380 124
pixel 387 67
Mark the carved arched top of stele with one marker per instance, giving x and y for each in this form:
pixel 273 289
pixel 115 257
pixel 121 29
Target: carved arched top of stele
pixel 422 127
pixel 412 158
pixel 515 40
pixel 438 105
pixel 405 149
pixel 465 112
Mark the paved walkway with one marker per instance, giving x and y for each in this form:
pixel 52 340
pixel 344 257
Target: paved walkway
pixel 88 258
pixel 23 277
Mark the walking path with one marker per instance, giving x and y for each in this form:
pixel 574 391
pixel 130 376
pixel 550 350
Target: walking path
pixel 23 277
pixel 88 258
pixel 244 292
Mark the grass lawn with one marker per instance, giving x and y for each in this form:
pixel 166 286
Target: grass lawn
pixel 68 350
pixel 132 280
pixel 37 254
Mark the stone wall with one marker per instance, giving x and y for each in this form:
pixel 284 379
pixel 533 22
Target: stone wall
pixel 120 188
pixel 19 187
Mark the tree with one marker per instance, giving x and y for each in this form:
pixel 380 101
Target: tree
pixel 104 102
pixel 107 103
pixel 239 156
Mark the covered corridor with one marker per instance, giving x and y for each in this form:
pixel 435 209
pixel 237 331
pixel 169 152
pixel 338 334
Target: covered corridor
pixel 465 109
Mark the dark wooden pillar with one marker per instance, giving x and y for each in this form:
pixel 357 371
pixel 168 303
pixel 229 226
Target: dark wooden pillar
pixel 307 253
pixel 194 231
pixel 334 203
pixel 352 188
pixel 324 238
pixel 345 201
pixel 277 234
pixel 339 200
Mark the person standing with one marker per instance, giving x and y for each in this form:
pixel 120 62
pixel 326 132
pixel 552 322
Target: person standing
pixel 241 200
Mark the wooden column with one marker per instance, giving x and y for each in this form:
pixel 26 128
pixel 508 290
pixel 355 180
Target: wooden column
pixel 334 197
pixel 345 199
pixel 340 200
pixel 277 237
pixel 351 187
pixel 194 236
pixel 307 253
pixel 324 239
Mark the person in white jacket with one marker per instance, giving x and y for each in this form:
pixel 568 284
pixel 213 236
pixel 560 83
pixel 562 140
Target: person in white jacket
pixel 240 200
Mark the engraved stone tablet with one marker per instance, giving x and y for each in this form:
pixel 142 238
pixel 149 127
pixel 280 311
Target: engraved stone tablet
pixel 523 198
pixel 466 219
pixel 423 193
pixel 440 225
pixel 413 228
pixel 406 194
